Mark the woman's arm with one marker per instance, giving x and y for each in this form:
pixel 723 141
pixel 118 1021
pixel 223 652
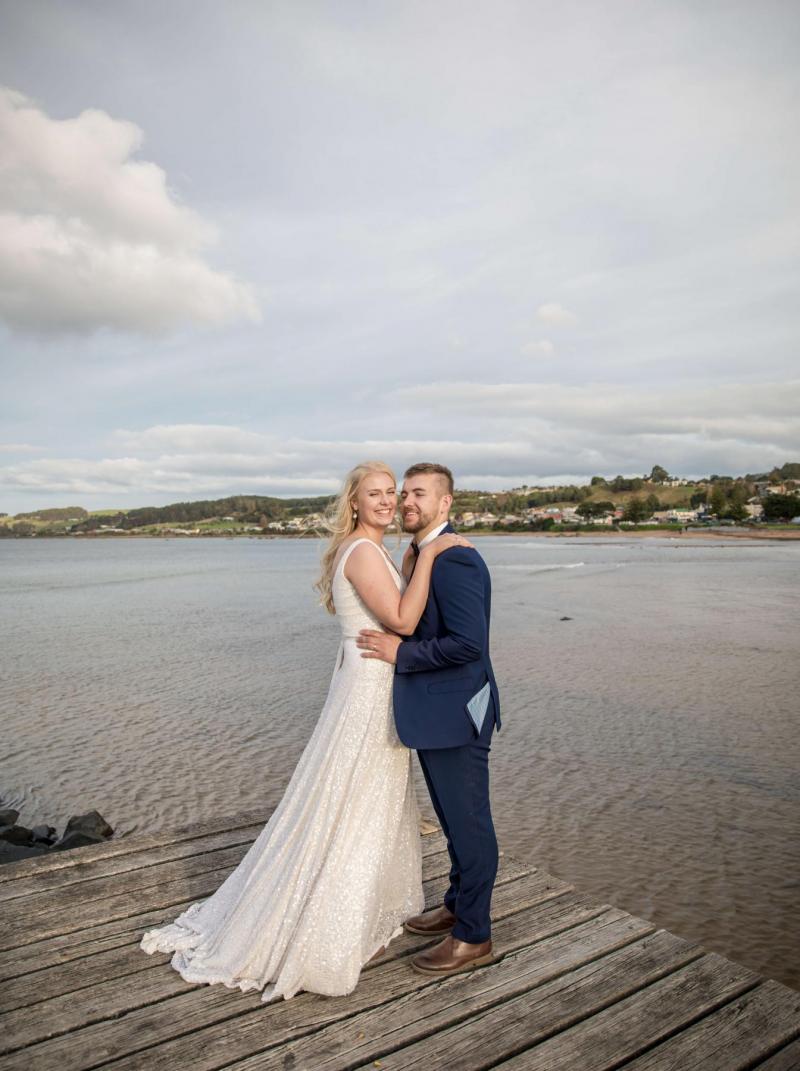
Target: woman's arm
pixel 379 592
pixel 461 598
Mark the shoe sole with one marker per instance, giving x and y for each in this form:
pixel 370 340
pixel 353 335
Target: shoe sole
pixel 481 961
pixel 428 933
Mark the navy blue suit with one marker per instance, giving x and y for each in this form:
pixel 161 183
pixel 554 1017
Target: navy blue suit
pixel 439 669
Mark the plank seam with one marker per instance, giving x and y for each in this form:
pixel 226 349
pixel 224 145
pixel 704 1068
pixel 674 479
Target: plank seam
pixel 647 1047
pixel 776 1051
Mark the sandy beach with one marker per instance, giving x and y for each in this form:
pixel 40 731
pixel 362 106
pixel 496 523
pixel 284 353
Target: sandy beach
pixel 692 533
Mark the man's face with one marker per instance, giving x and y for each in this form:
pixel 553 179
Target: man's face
pixel 424 502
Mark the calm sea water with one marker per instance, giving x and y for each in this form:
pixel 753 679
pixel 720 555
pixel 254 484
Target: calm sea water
pixel 649 749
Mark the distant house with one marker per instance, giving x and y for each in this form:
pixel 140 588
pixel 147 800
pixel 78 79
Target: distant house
pixel 675 516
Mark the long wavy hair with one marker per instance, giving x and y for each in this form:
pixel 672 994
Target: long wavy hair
pixel 339 523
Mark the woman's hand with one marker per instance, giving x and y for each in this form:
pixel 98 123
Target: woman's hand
pixel 445 542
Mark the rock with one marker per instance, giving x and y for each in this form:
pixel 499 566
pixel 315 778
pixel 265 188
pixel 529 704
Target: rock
pixel 47 834
pixel 16 834
pixel 19 842
pixel 10 853
pixel 92 823
pixel 78 838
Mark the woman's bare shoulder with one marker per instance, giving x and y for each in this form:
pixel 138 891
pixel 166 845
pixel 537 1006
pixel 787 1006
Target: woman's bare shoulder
pixel 343 548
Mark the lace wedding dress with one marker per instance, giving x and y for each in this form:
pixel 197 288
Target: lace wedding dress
pixel 338 867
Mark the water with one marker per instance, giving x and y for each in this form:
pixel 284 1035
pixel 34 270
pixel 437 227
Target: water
pixel 649 749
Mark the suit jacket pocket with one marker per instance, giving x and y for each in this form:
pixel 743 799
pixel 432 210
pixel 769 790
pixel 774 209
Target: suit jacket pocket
pixel 453 684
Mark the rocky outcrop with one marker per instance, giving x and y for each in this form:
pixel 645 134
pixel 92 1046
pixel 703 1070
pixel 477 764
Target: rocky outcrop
pixel 20 842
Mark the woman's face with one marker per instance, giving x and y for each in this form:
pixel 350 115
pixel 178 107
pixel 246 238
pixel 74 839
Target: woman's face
pixel 376 500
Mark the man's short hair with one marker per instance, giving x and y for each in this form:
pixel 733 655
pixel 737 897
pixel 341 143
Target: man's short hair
pixel 428 468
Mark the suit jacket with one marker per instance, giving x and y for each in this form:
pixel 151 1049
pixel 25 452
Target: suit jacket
pixel 442 666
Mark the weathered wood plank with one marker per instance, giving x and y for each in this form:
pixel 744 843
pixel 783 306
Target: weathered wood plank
pixel 51 950
pixel 439 1005
pixel 609 1037
pixel 480 1040
pixel 216 1024
pixel 66 1012
pixel 57 920
pixel 118 847
pixel 39 886
pixel 126 957
pixel 60 948
pixel 150 869
pixel 109 876
pixel 733 1037
pixel 76 897
pixel 135 842
pixel 788 1059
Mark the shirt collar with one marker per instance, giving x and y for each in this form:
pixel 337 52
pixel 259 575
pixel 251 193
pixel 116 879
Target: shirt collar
pixel 432 535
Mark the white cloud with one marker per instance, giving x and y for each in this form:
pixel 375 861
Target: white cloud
pixel 542 347
pixel 91 237
pixel 541 432
pixel 684 423
pixel 556 315
pixel 19 448
pixel 193 460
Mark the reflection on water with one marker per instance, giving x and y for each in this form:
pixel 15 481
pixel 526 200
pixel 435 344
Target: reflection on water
pixel 649 744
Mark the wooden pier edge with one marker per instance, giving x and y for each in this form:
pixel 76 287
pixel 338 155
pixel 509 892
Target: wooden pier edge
pixel 579 985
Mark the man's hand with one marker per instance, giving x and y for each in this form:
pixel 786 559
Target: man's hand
pixel 381 645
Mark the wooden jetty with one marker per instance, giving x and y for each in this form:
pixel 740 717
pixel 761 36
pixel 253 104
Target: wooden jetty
pixel 580 985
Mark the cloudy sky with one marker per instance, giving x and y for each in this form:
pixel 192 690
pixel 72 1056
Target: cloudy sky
pixel 245 245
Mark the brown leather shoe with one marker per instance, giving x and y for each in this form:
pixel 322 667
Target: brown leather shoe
pixel 451 956
pixel 432 923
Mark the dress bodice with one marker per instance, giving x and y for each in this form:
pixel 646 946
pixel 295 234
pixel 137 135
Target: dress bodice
pixel 352 613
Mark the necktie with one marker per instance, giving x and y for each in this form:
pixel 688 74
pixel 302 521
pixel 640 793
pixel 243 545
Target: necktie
pixel 415 549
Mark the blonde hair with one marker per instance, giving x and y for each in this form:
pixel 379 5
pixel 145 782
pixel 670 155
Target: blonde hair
pixel 340 523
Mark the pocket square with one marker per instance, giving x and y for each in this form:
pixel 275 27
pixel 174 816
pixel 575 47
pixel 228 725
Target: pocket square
pixel 478 705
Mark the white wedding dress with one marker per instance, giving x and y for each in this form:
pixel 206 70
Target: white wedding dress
pixel 338 867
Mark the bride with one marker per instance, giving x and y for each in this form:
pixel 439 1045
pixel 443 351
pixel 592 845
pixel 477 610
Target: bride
pixel 332 876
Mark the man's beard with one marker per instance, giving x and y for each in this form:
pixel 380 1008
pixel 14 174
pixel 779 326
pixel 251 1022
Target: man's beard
pixel 416 524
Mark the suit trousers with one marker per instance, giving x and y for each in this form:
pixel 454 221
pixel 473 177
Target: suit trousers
pixel 458 783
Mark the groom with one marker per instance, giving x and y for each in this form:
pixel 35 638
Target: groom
pixel 446 706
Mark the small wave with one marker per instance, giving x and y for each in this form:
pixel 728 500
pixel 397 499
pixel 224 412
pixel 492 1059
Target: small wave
pixel 537 568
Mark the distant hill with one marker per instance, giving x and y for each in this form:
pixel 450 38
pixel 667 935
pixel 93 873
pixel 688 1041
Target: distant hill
pixel 261 510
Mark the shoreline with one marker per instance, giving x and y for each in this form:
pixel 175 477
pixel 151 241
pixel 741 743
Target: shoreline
pixel 605 533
